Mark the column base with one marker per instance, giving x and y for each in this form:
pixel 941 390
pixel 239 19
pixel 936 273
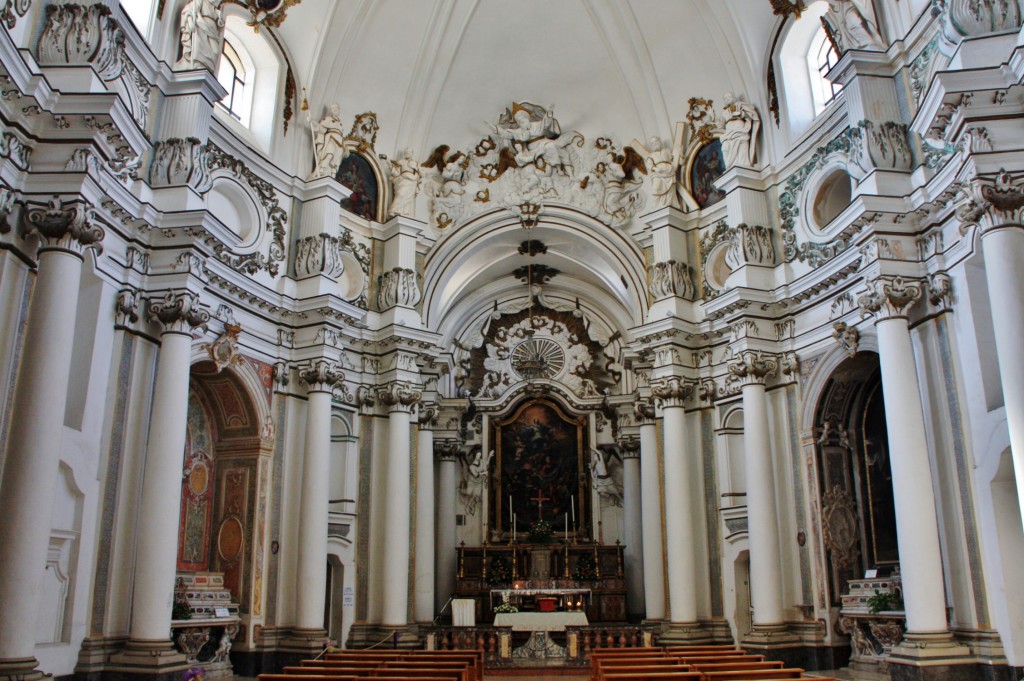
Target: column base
pixel 309 642
pixel 21 669
pixel 684 633
pixel 764 636
pixel 383 636
pixel 151 660
pixel 919 657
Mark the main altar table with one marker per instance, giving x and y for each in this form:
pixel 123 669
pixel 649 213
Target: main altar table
pixel 540 644
pixel 541 621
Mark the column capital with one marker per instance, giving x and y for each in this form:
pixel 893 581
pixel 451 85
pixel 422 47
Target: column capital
pixel 643 410
pixel 754 367
pixel 940 291
pixel 991 202
pixel 321 375
pixel 671 391
pixel 177 312
pixel 889 297
pixel 447 450
pixel 399 396
pixel 427 417
pixel 629 447
pixel 62 226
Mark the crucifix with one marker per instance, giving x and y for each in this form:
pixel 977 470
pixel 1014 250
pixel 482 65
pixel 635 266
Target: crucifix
pixel 540 499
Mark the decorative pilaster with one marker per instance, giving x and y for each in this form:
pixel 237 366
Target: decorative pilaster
pixel 753 368
pixel 681 505
pixel 446 453
pixel 149 648
pixel 320 376
pixel 424 569
pixel 401 400
pixel 650 508
pixel 632 526
pixel 889 300
pixel 37 423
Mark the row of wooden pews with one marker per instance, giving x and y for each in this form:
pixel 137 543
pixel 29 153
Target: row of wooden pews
pixel 406 665
pixel 688 663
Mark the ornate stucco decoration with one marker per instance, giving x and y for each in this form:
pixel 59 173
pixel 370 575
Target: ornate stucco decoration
pixel 971 18
pixel 11 10
pixel 840 526
pixel 321 254
pixel 991 201
pixel 224 351
pixel 14 150
pixel 885 146
pixel 270 13
pixel 848 337
pixel 178 312
pixel 528 161
pixel 178 162
pixel 889 297
pixel 784 8
pixel 88 34
pixel 672 279
pixel 63 226
pixel 397 287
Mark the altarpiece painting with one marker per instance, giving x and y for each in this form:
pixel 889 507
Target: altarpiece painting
pixel 540 468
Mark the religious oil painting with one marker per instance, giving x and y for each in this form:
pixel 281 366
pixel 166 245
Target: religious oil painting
pixel 356 174
pixel 539 467
pixel 708 166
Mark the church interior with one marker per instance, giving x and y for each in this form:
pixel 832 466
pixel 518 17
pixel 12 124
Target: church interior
pixel 540 335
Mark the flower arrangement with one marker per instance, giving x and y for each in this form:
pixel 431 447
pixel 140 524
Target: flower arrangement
pixel 586 570
pixel 193 674
pixel 505 605
pixel 884 600
pixel 499 572
pixel 540 532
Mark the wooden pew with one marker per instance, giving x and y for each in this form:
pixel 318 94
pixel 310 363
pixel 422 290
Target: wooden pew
pixel 618 665
pixel 332 670
pixel 709 647
pixel 368 664
pixel 657 676
pixel 474 658
pixel 717 659
pixel 307 677
pixel 410 667
pixel 738 666
pixel 755 675
pixel 601 673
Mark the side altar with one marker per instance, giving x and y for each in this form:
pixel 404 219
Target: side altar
pixel 586 577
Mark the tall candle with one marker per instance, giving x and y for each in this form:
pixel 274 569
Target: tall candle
pixel 572 507
pixel 514 523
pixel 566 524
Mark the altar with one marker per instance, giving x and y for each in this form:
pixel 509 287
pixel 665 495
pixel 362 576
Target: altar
pixel 540 645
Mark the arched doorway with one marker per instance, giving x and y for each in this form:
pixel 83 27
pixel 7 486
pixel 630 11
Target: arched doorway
pixel 857 512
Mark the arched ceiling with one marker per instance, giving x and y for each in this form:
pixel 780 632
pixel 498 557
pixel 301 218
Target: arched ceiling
pixel 440 71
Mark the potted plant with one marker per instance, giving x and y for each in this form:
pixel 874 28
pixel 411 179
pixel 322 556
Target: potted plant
pixel 540 532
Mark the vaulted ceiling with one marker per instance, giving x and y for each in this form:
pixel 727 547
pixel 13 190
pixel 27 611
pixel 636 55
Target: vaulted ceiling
pixel 440 71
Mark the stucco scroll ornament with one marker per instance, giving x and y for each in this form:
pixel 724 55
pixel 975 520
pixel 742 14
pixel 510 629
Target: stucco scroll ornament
pixel 851 25
pixel 178 312
pixel 991 201
pixel 971 18
pixel 12 9
pixel 399 396
pixel 888 297
pixel 750 244
pixel 398 286
pixel 202 34
pixel 672 391
pixel 754 366
pixel 671 278
pixel 63 226
pixel 329 148
pixel 321 375
pixel 643 410
pixel 475 474
pixel 847 336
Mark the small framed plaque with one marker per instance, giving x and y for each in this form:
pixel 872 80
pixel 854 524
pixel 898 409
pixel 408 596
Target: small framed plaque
pixel 221 612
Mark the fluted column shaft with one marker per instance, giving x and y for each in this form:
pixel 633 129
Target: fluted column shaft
pixel 446 529
pixel 680 504
pixel 424 575
pixel 917 528
pixel 632 527
pixel 400 401
pixel 160 504
pixel 311 585
pixel 650 508
pixel 762 520
pixel 37 422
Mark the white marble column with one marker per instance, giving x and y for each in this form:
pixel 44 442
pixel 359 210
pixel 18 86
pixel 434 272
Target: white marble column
pixel 37 423
pixel 650 508
pixel 997 206
pixel 320 376
pixel 447 483
pixel 401 400
pixel 753 369
pixel 890 299
pixel 680 504
pixel 424 574
pixel 632 527
pixel 177 312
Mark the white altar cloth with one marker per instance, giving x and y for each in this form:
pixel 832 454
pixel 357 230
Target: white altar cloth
pixel 463 612
pixel 540 621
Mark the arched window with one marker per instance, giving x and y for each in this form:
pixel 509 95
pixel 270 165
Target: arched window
pixel 232 75
pixel 821 57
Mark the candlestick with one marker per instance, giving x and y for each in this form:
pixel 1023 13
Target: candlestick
pixel 566 524
pixel 572 507
pixel 510 514
pixel 514 523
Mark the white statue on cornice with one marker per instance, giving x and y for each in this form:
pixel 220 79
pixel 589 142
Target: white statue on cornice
pixel 328 143
pixel 740 124
pixel 202 34
pixel 663 165
pixel 405 183
pixel 605 484
pixel 475 474
pixel 852 26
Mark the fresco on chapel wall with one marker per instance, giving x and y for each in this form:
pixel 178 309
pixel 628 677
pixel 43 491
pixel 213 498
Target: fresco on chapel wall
pixel 539 465
pixel 196 491
pixel 707 167
pixel 233 527
pixel 357 174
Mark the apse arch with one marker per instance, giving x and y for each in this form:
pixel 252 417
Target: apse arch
pixel 464 261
